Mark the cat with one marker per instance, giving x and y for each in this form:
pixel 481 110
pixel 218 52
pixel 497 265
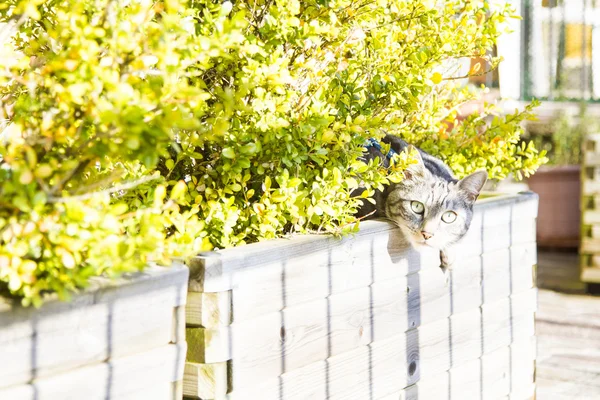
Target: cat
pixel 430 206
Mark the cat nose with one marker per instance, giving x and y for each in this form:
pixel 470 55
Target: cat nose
pixel 426 235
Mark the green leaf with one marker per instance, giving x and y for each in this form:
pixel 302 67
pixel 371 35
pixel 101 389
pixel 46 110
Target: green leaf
pixel 228 153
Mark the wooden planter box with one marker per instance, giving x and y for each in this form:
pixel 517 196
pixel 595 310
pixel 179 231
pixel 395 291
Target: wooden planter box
pixel 590 211
pixel 120 339
pixel 367 317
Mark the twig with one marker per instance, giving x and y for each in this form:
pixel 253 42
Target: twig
pixel 11 27
pixel 125 186
pixel 468 75
pixel 69 176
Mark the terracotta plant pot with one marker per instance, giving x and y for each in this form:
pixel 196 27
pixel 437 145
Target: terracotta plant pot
pixel 559 217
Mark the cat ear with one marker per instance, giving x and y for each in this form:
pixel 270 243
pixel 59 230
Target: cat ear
pixel 418 169
pixel 472 184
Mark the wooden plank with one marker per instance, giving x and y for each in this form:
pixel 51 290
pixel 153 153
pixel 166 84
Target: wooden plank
pixel 489 377
pixel 590 274
pixel 113 319
pixel 562 374
pixel 347 376
pixel 205 381
pixel 122 378
pixel 569 341
pixel 590 217
pixel 265 291
pixel 591 159
pixel 261 349
pixel 595 231
pixel 550 389
pixel 393 306
pixel 209 309
pixel 579 335
pixel 570 353
pixel 378 244
pixel 377 253
pixel 568 309
pixel 590 187
pixel 590 245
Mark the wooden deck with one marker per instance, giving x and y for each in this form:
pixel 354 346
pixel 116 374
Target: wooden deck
pixel 568 331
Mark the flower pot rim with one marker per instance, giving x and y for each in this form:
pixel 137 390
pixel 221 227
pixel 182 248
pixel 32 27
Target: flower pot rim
pixel 558 168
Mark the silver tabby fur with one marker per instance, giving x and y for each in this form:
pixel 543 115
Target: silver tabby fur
pixel 431 183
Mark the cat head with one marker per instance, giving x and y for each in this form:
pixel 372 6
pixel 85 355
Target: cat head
pixel 429 209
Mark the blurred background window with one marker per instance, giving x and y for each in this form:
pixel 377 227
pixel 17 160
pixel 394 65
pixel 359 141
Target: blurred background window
pixel 561 49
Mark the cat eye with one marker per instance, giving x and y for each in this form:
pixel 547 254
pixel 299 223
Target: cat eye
pixel 417 207
pixel 449 217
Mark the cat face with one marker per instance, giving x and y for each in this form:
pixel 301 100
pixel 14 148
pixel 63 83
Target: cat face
pixel 430 210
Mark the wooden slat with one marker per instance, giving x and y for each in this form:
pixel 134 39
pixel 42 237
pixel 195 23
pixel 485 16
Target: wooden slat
pixel 492 370
pixel 590 274
pixel 551 389
pixel 590 217
pixel 590 187
pixel 111 319
pixel 341 379
pixel 123 378
pixel 261 349
pixel 255 297
pixel 590 245
pixel 268 290
pixel 205 381
pixel 379 252
pixel 568 329
pixel 565 309
pixel 378 244
pixel 209 309
pixel 591 159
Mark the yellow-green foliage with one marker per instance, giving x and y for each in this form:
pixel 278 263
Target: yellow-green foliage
pixel 142 129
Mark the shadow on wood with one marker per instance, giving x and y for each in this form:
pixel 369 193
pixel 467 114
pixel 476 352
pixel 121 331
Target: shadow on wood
pixel 115 340
pixel 368 317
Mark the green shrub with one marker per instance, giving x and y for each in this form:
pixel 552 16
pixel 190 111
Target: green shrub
pixel 251 116
pixel 564 142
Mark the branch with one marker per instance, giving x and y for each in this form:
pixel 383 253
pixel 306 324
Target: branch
pixel 125 186
pixel 79 168
pixel 12 26
pixel 468 75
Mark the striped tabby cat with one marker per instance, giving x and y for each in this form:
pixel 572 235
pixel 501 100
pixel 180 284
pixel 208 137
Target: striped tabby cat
pixel 430 206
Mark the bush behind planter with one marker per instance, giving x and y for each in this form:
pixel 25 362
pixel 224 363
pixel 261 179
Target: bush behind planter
pixel 141 130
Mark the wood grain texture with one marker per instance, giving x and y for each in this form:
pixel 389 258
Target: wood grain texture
pixel 111 319
pixel 378 244
pixel 148 375
pixel 590 217
pixel 339 379
pixel 590 187
pixel 209 309
pixel 265 290
pixel 568 329
pixel 590 245
pixel 363 317
pixel 264 353
pixel 567 309
pixel 205 381
pixel 474 279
